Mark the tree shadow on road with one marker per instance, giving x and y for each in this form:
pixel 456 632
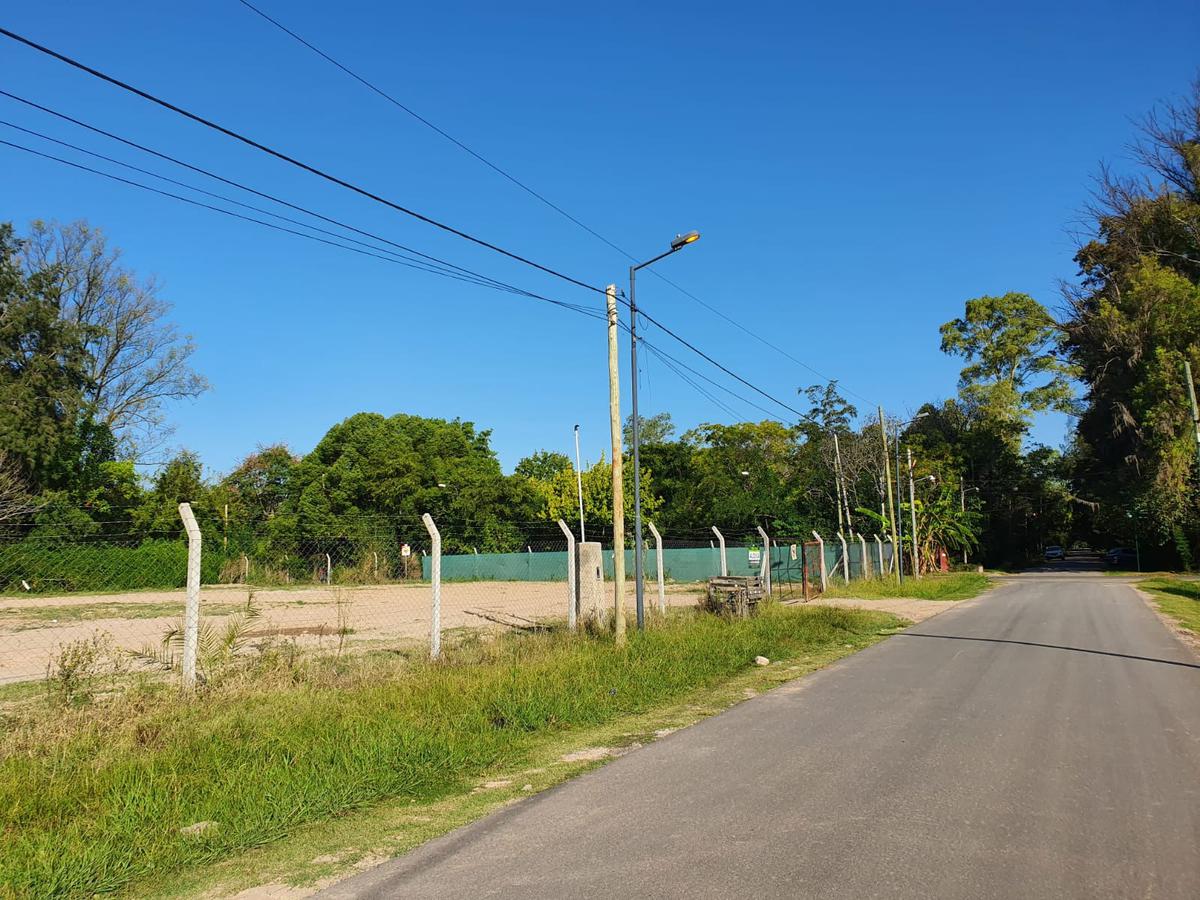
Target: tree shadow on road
pixel 956 637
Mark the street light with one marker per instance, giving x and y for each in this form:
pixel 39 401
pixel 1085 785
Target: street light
pixel 678 243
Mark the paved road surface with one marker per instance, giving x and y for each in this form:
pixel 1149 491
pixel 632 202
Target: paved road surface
pixel 1043 741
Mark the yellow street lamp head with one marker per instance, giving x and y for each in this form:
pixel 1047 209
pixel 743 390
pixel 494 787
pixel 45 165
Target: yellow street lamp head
pixel 682 240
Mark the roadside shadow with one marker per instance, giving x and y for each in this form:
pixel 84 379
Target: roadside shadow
pixel 955 637
pixel 1180 591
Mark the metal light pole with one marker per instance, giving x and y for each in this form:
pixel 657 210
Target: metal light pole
pixel 579 488
pixel 680 241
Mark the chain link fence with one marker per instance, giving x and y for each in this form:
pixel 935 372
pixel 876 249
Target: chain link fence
pixel 355 586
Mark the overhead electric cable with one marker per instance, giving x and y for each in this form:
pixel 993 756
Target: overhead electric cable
pixel 596 314
pixel 278 154
pixel 531 191
pixel 222 197
pixel 274 199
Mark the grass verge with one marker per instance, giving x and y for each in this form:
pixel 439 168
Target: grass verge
pixel 959 586
pixel 98 799
pixel 1180 600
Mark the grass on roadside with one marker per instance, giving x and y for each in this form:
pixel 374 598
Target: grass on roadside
pixel 1178 599
pixel 959 586
pixel 94 799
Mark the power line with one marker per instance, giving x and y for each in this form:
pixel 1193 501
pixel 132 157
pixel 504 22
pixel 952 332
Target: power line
pixel 424 121
pixel 265 212
pixel 664 357
pixel 596 314
pixel 720 366
pixel 250 142
pixel 348 185
pixel 533 193
pixel 683 377
pixel 266 196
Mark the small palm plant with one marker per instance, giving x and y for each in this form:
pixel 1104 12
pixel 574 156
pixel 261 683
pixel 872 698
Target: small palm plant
pixel 216 645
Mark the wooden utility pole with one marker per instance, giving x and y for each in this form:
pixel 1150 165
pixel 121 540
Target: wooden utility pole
pixel 887 477
pixel 1191 386
pixel 618 481
pixel 912 508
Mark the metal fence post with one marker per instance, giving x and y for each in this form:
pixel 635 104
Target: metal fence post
pixel 879 547
pixel 435 577
pixel 721 541
pixel 845 558
pixel 191 611
pixel 572 601
pixel 765 567
pixel 662 591
pixel 821 555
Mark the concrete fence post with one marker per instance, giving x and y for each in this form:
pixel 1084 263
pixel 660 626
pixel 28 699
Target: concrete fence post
pixel 821 557
pixel 245 569
pixel 866 559
pixel 572 598
pixel 721 542
pixel 191 609
pixel 662 590
pixel 328 569
pixel 879 547
pixel 435 578
pixel 845 558
pixel 764 568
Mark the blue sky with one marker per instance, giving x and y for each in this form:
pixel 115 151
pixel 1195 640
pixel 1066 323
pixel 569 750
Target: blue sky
pixel 857 171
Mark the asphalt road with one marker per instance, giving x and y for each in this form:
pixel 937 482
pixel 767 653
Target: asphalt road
pixel 1042 741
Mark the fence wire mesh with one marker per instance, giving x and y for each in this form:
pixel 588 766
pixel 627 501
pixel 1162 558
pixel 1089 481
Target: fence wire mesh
pixel 350 585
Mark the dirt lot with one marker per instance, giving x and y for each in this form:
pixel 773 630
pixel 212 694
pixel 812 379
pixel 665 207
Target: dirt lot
pixel 34 628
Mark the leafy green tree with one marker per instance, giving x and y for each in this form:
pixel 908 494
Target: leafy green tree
pixel 829 411
pixel 1013 370
pixel 258 488
pixel 1134 319
pixel 560 496
pixel 181 480
pixel 543 465
pixel 133 358
pixel 657 429
pixel 42 374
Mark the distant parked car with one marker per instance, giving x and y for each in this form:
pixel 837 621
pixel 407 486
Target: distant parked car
pixel 1120 558
pixel 1055 552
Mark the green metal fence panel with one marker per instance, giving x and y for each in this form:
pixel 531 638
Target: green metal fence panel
pixel 543 566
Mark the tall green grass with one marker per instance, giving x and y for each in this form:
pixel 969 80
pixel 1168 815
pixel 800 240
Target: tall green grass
pixel 959 586
pixel 93 800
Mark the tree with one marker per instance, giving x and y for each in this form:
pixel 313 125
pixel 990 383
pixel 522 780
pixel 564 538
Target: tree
pixel 746 475
pixel 1134 319
pixel 561 498
pixel 1009 343
pixel 43 374
pixel 134 359
pixel 181 480
pixel 259 487
pixel 658 429
pixel 16 502
pixel 830 411
pixel 543 465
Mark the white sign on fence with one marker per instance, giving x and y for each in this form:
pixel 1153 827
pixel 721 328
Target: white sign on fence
pixel 405 550
pixel 755 556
